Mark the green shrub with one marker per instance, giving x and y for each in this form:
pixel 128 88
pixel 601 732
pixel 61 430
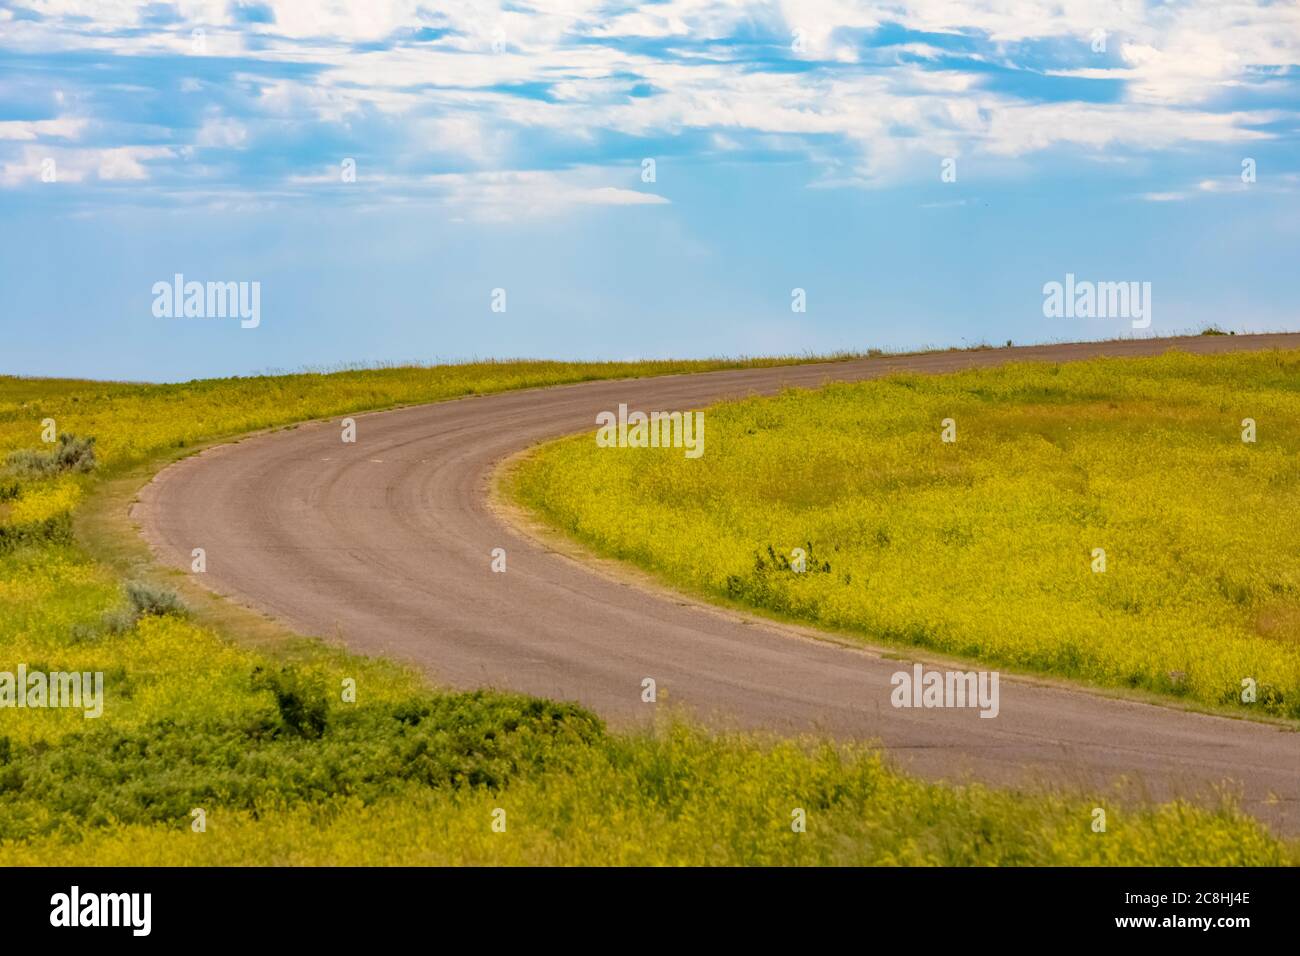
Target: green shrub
pixel 70 454
pixel 143 599
pixel 300 699
pixel 158 772
pixel 53 530
pixel 146 599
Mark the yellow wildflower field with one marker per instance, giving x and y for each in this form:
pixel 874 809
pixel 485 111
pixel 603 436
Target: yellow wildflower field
pixel 287 772
pixel 1129 523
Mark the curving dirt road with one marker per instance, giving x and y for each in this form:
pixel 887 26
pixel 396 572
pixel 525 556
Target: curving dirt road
pixel 386 544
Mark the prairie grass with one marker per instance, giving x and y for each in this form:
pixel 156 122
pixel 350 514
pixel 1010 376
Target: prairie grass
pixel 131 423
pixel 676 797
pixel 288 769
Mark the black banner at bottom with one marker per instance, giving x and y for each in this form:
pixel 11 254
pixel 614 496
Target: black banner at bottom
pixel 333 906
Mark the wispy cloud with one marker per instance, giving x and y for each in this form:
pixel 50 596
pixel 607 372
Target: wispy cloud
pixel 254 96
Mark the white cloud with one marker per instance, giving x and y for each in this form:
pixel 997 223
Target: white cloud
pixel 121 163
pixel 62 128
pixel 862 125
pixel 611 196
pixel 126 162
pixel 521 194
pixel 221 131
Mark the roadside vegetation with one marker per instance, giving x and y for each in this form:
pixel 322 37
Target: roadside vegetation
pixel 289 766
pixel 990 547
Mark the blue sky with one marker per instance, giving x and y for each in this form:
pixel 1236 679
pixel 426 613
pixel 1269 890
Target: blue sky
pixel 501 146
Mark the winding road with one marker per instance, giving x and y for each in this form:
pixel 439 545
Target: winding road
pixel 386 544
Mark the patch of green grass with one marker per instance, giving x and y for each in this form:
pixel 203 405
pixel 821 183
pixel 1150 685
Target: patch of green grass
pixel 297 749
pixel 571 795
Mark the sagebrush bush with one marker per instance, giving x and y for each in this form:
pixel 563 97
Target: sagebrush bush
pixel 146 598
pixel 143 599
pixel 69 455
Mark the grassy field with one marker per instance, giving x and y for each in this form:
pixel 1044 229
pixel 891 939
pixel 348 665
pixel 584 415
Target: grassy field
pixel 258 736
pixel 983 547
